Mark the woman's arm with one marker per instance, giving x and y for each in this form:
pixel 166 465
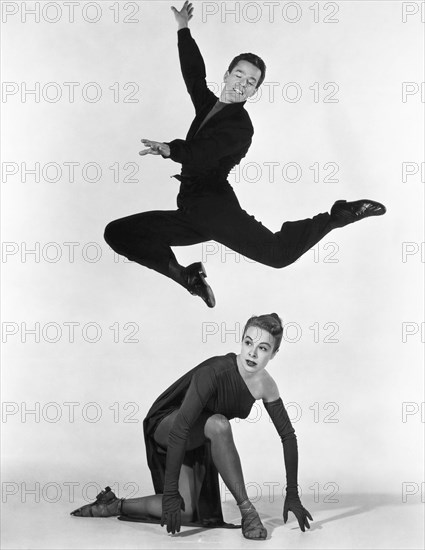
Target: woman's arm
pixel 277 412
pixel 279 416
pixel 200 390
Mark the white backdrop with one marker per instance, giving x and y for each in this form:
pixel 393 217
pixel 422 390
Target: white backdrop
pixel 339 116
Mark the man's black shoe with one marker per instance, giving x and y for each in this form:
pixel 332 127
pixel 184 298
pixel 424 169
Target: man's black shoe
pixel 343 212
pixel 194 276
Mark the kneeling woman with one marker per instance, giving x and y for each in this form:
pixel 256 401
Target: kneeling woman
pixel 189 439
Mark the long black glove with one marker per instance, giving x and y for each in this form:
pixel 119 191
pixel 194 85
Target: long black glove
pixel 171 516
pixel 283 425
pixel 202 386
pixel 293 504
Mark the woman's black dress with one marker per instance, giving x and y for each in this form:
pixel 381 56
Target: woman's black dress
pixel 213 387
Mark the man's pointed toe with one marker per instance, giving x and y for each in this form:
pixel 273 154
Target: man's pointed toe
pixel 344 212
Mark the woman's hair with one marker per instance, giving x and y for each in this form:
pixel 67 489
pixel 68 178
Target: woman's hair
pixel 271 322
pixel 251 58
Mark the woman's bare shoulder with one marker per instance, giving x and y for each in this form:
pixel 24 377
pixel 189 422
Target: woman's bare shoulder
pixel 270 391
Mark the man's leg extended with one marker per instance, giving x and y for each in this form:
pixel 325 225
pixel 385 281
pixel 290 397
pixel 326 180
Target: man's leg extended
pixel 147 238
pixel 222 219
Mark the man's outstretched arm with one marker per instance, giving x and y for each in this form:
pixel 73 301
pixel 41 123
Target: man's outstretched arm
pixel 201 152
pixel 193 70
pixel 191 62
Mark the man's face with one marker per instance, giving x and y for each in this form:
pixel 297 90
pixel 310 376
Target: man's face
pixel 241 83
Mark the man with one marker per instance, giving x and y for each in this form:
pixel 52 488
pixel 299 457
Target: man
pixel 218 138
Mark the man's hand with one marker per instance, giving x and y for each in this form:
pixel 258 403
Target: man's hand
pixel 293 504
pixel 184 15
pixel 155 148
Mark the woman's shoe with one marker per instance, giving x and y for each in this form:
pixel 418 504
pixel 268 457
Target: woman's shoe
pixel 252 527
pixel 106 505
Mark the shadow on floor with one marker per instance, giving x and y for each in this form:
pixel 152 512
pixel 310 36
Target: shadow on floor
pixel 348 505
pixel 356 503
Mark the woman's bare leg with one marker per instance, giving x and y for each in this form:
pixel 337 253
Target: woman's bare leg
pixel 225 455
pixel 227 461
pixel 152 505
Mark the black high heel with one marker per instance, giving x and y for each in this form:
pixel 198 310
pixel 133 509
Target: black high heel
pixel 252 523
pixel 107 504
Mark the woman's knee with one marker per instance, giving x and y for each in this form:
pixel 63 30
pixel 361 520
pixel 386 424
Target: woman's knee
pixel 163 429
pixel 217 425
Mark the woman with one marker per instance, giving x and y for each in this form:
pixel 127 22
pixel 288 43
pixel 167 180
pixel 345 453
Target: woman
pixel 189 440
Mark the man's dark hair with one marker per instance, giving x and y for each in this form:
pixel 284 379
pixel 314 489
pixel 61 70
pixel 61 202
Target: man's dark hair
pixel 251 58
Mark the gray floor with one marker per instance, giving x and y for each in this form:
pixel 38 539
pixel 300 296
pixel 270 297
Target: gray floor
pixel 357 521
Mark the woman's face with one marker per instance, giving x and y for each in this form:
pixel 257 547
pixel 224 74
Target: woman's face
pixel 257 349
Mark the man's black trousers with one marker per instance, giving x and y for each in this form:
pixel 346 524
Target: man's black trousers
pixel 146 238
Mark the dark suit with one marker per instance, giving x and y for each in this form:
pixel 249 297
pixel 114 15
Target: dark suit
pixel 207 205
pixel 207 155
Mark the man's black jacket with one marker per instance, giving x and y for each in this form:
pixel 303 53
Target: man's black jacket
pixel 221 143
